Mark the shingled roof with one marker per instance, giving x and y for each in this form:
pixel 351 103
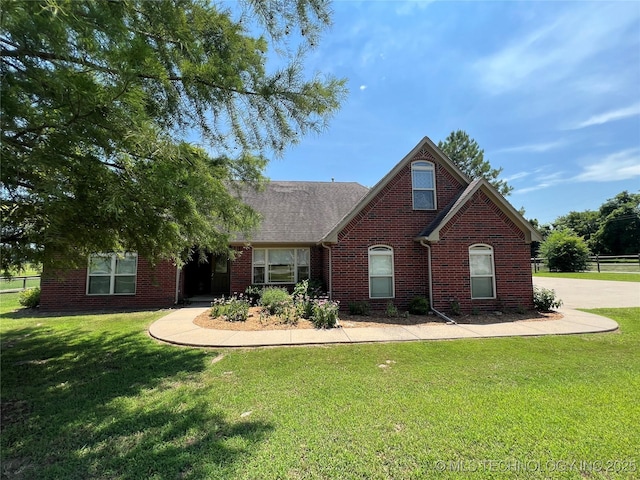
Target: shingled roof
pixel 301 212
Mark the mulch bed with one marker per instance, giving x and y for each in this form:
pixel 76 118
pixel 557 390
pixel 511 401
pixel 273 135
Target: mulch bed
pixel 376 319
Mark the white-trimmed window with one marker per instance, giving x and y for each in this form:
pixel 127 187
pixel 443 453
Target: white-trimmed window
pixel 424 185
pixel 381 281
pixel 483 280
pixel 112 274
pixel 280 265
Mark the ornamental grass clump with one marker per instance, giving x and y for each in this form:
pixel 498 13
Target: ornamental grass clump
pixel 325 313
pixel 232 309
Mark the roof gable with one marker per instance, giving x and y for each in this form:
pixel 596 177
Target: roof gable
pixel 426 149
pixel 432 232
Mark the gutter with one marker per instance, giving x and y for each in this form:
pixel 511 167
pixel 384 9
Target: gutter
pixel 439 314
pixel 330 286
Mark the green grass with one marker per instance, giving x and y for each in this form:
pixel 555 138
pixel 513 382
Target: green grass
pixel 92 396
pixel 29 271
pixel 13 283
pixel 611 276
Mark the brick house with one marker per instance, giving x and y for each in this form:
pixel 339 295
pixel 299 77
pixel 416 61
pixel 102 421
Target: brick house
pixel 425 229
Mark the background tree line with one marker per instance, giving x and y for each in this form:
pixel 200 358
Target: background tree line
pixel 614 229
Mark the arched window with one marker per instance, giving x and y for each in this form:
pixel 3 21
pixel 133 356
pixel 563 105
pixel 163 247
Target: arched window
pixel 381 284
pixel 424 185
pixel 481 266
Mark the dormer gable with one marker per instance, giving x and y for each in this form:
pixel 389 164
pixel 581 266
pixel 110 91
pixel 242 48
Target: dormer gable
pixel 434 180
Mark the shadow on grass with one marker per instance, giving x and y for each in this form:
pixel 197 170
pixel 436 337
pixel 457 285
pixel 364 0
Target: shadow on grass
pixel 101 405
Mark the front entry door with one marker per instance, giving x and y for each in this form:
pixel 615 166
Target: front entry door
pixel 220 275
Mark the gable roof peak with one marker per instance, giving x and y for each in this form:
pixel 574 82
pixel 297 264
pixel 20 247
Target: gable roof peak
pixel 424 150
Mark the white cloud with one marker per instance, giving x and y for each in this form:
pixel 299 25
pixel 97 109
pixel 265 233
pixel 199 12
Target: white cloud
pixel 622 165
pixel 533 148
pixel 516 176
pixel 555 51
pixel 413 7
pixel 363 87
pixel 543 181
pixel 610 116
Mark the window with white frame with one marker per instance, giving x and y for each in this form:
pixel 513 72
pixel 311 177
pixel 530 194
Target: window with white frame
pixel 280 265
pixel 381 282
pixel 424 185
pixel 483 280
pixel 112 274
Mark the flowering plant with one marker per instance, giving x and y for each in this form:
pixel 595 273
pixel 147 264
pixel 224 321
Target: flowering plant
pixel 232 309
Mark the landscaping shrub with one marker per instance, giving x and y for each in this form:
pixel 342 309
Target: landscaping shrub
pixel 454 306
pixel 303 299
pixel 419 306
pixel 359 308
pixel 252 294
pixel 544 299
pixel 30 298
pixel 391 311
pixel 565 252
pixel 232 309
pixel 325 313
pixel 275 300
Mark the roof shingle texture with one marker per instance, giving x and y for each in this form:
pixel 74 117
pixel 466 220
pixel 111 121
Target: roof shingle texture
pixel 301 212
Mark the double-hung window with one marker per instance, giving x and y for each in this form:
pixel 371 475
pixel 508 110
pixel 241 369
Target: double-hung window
pixel 381 283
pixel 424 185
pixel 280 265
pixel 483 280
pixel 112 274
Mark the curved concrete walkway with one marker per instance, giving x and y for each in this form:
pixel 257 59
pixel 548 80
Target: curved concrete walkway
pixel 177 327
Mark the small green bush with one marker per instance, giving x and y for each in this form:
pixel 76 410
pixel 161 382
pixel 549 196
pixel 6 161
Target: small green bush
pixel 303 299
pixel 391 311
pixel 359 308
pixel 232 309
pixel 565 252
pixel 30 297
pixel 275 300
pixel 419 306
pixel 454 306
pixel 544 299
pixel 325 313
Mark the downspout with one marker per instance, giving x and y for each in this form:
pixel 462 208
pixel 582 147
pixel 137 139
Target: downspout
pixel 330 286
pixel 439 314
pixel 177 284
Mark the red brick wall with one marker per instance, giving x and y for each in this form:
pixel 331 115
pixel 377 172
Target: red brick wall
pixel 66 290
pixel 241 274
pixel 481 221
pixel 389 219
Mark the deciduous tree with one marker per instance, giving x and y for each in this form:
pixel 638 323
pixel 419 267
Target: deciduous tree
pixel 130 125
pixel 619 225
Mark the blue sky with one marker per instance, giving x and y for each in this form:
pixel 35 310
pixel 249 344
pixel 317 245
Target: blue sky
pixel 549 90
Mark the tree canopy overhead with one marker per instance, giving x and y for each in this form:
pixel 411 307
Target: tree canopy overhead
pixel 101 103
pixel 469 157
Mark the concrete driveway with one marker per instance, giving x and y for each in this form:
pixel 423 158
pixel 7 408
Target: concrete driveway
pixel 592 293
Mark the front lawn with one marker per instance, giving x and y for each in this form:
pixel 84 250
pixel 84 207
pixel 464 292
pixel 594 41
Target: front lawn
pixel 610 276
pixel 93 396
